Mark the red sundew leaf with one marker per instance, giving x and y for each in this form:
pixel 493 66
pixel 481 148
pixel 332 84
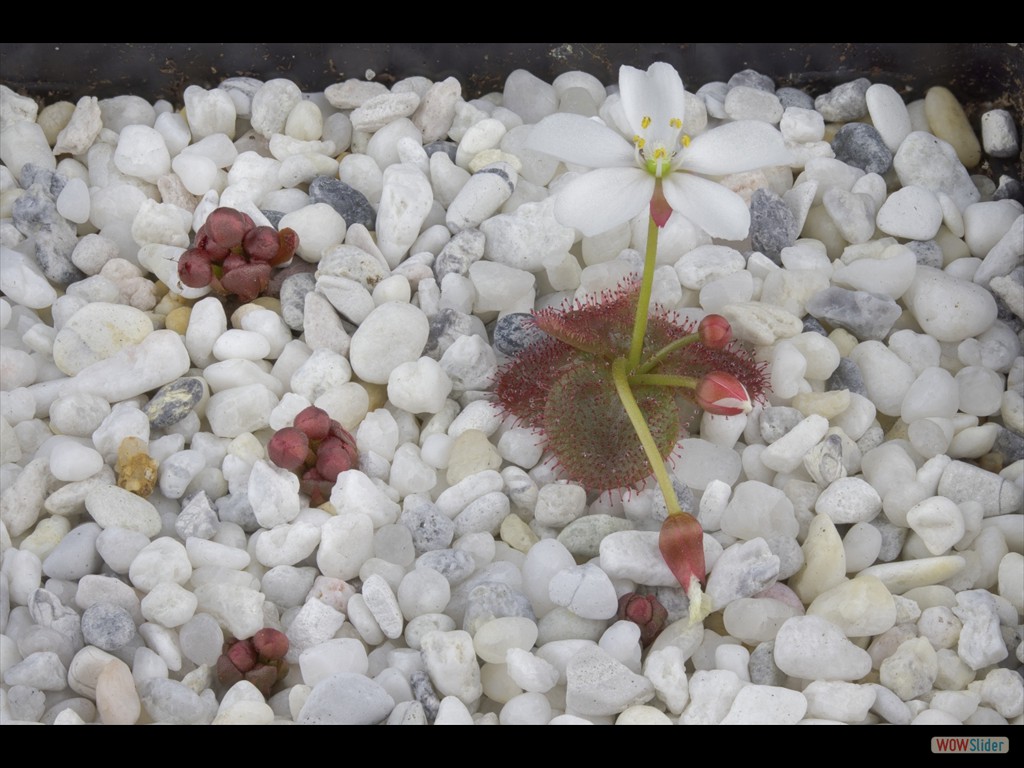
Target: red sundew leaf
pixel 604 327
pixel 563 385
pixel 590 433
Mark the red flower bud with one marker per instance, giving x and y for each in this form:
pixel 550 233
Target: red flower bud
pixel 723 394
pixel 682 546
pixel 715 331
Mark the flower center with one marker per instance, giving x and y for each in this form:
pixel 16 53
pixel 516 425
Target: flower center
pixel 656 146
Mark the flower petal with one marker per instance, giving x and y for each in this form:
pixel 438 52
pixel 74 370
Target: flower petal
pixel 657 94
pixel 580 140
pixel 735 147
pixel 600 200
pixel 718 211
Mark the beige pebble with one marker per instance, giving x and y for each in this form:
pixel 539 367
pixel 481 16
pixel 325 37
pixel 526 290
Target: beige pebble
pixel 117 701
pixel 472 452
pixel 824 560
pixel 947 120
pixel 861 607
pixel 827 404
pixel 177 320
pixel 517 534
pixel 899 577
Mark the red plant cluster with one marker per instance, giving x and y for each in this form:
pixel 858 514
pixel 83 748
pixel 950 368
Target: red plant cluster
pixel 259 659
pixel 317 448
pixel 234 255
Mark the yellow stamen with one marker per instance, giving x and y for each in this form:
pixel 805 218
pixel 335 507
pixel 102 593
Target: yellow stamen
pixel 639 141
pixel 676 123
pixel 660 153
pixel 684 140
pixel 645 123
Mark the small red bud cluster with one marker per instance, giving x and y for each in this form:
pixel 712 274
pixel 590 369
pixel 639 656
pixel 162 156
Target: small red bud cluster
pixel 317 448
pixel 259 659
pixel 234 255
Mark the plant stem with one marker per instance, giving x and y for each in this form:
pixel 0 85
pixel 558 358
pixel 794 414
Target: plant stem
pixel 664 380
pixel 668 349
pixel 643 304
pixel 636 417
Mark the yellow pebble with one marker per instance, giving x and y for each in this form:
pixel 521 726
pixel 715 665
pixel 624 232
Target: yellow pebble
pixel 136 469
pixel 517 534
pixel 46 536
pixel 947 120
pixel 827 404
pixel 177 320
pixel 472 452
pixel 844 341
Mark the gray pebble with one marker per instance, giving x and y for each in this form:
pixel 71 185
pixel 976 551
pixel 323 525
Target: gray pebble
pixel 458 253
pixel 789 552
pixel 42 670
pixel 515 332
pixel 777 420
pixel 672 599
pixel 174 401
pixel 348 201
pixel 456 565
pixel 174 703
pixel 772 224
pixel 75 555
pixel 927 252
pixel 274 217
pixel 794 97
pixel 197 518
pixel 893 538
pixel 494 600
pixel 47 610
pixel 431 529
pixel 865 315
pixel 50 181
pixel 449 148
pixel 1010 445
pixel 1009 188
pixel 845 102
pixel 80 705
pixel 861 146
pixel 445 327
pixel 847 376
pixel 763 670
pixel 235 508
pixel 35 214
pixel 425 694
pixel 202 639
pixel 107 626
pixel 26 703
pixel 811 325
pixel 753 79
pixel 346 698
pixel 961 482
pixel 293 298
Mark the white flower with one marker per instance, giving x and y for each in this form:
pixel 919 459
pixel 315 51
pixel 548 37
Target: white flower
pixel 627 175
